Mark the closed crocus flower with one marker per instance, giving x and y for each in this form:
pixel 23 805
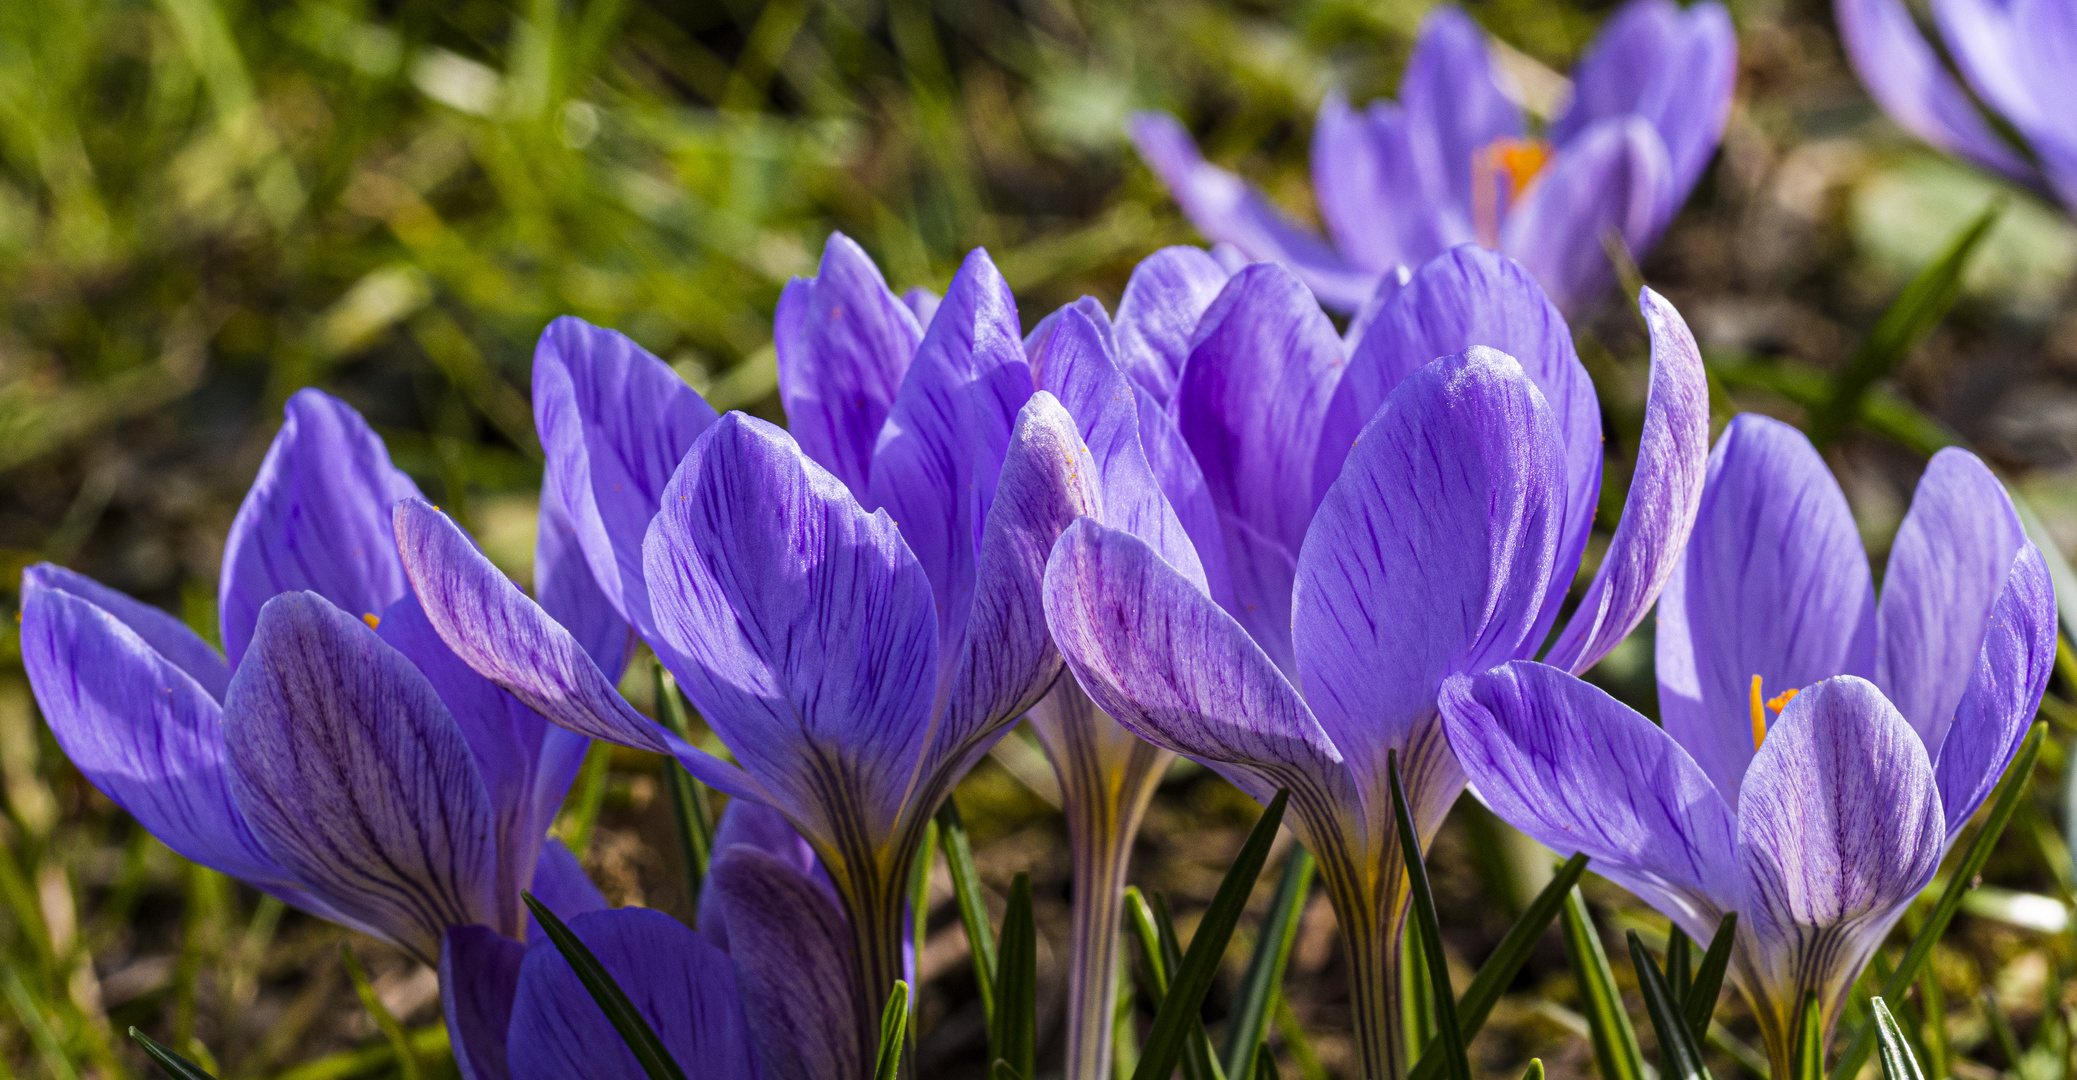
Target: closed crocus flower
pixel 1821 749
pixel 1452 160
pixel 2015 56
pixel 856 662
pixel 344 759
pixel 1457 497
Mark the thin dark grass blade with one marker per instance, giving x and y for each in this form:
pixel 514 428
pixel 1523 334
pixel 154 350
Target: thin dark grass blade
pixel 1198 1061
pixel 1013 1037
pixel 1897 1060
pixel 2000 1028
pixel 894 1027
pixel 689 805
pixel 919 890
pixel 175 1066
pixel 1679 1057
pixel 1709 978
pixel 385 1021
pixel 641 1039
pixel 973 911
pixel 1449 1034
pixel 1003 1070
pixel 1679 957
pixel 1248 1022
pixel 1615 1041
pixel 1808 1063
pixel 1265 1064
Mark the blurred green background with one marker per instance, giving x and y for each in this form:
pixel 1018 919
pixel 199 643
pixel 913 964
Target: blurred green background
pixel 206 204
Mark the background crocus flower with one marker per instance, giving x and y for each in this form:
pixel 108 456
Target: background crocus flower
pixel 344 760
pixel 1453 162
pixel 1442 545
pixel 2015 56
pixel 1820 750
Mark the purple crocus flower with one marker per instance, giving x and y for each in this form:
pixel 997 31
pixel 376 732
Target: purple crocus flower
pixel 2016 56
pixel 856 663
pixel 343 759
pixel 1821 750
pixel 1443 541
pixel 1452 161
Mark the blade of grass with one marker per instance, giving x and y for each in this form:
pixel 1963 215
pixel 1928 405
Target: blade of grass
pixel 634 1030
pixel 894 1026
pixel 689 806
pixel 919 892
pixel 46 1041
pixel 1615 1041
pixel 973 911
pixel 1709 978
pixel 1013 1036
pixel 1445 996
pixel 1179 1018
pixel 1265 1064
pixel 1124 1034
pixel 1534 1071
pixel 1679 954
pixel 1301 1048
pixel 1897 1062
pixel 1679 1057
pixel 175 1066
pixel 1198 1060
pixel 1921 948
pixel 2000 1029
pixel 590 794
pixel 1809 1060
pixel 385 1021
pixel 1933 1000
pixel 1248 1022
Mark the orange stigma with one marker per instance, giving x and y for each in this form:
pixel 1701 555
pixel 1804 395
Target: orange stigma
pixel 373 620
pixel 1508 161
pixel 1781 701
pixel 1759 715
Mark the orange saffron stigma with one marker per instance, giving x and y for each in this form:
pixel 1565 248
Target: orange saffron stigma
pixel 1781 701
pixel 1520 159
pixel 373 620
pixel 1759 715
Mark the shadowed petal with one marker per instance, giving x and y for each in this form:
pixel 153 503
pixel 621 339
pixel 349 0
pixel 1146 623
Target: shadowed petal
pixel 571 596
pixel 509 640
pixel 1454 104
pixel 2003 694
pixel 1614 179
pixel 767 830
pixel 479 976
pixel 1773 584
pixel 683 986
pixel 1257 383
pixel 1665 491
pixel 805 622
pixel 1429 556
pixel 1183 485
pixel 159 631
pixel 1903 73
pixel 1580 771
pixel 1674 68
pixel 316 518
pixel 791 949
pixel 842 359
pixel 561 883
pixel 1167 294
pixel 356 779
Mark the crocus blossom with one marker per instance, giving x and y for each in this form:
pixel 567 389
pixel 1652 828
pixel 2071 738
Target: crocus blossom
pixel 1821 749
pixel 1452 161
pixel 2015 56
pixel 1457 498
pixel 343 759
pixel 856 663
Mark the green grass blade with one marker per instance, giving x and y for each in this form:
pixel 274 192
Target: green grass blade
pixel 919 890
pixel 1248 1022
pixel 1003 1070
pixel 1615 1041
pixel 1921 947
pixel 1709 978
pixel 634 1030
pixel 385 1021
pixel 1013 1037
pixel 1921 306
pixel 1679 954
pixel 2000 1028
pixel 1897 1061
pixel 973 911
pixel 1179 1020
pixel 582 812
pixel 689 806
pixel 1679 1057
pixel 1451 1036
pixel 1809 1060
pixel 1146 944
pixel 1534 1071
pixel 1265 1064
pixel 894 1027
pixel 1198 1061
pixel 1295 1042
pixel 175 1066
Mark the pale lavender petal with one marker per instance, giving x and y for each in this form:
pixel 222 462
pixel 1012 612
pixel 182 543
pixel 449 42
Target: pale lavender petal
pixel 1902 72
pixel 1998 706
pixel 614 422
pixel 1947 566
pixel 479 976
pixel 1674 68
pixel 847 345
pixel 1183 485
pixel 1230 210
pixel 1582 772
pixel 509 640
pixel 1989 48
pixel 1613 181
pixel 1168 292
pixel 1388 286
pixel 316 518
pixel 683 986
pixel 923 304
pixel 805 623
pixel 1665 492
pixel 1454 104
pixel 1839 826
pixel 570 595
pixel 1773 584
pixel 159 631
pixel 761 827
pixel 1430 555
pixel 791 947
pixel 1380 205
pixel 355 778
pixel 1258 381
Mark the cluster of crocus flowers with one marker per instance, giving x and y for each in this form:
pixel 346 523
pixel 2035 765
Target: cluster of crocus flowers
pixel 1452 161
pixel 1820 751
pixel 2015 57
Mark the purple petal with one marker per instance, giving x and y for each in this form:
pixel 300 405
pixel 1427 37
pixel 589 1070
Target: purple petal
pixel 160 632
pixel 2004 692
pixel 1183 485
pixel 792 948
pixel 140 727
pixel 761 827
pixel 570 595
pixel 683 986
pixel 1230 210
pixel 1449 506
pixel 509 640
pixel 1250 405
pixel 1383 209
pixel 614 422
pixel 1580 771
pixel 1388 287
pixel 805 623
pixel 1839 826
pixel 1903 73
pixel 1947 566
pixel 1615 178
pixel 1168 292
pixel 1454 104
pixel 316 518
pixel 561 883
pixel 839 370
pixel 1674 68
pixel 1665 491
pixel 479 976
pixel 923 304
pixel 1773 583
pixel 356 779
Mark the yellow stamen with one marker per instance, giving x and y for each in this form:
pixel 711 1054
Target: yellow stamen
pixel 1780 701
pixel 1518 161
pixel 374 621
pixel 1759 714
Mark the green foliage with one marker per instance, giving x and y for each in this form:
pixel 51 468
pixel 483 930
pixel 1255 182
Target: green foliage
pixel 1013 1031
pixel 1427 930
pixel 894 1027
